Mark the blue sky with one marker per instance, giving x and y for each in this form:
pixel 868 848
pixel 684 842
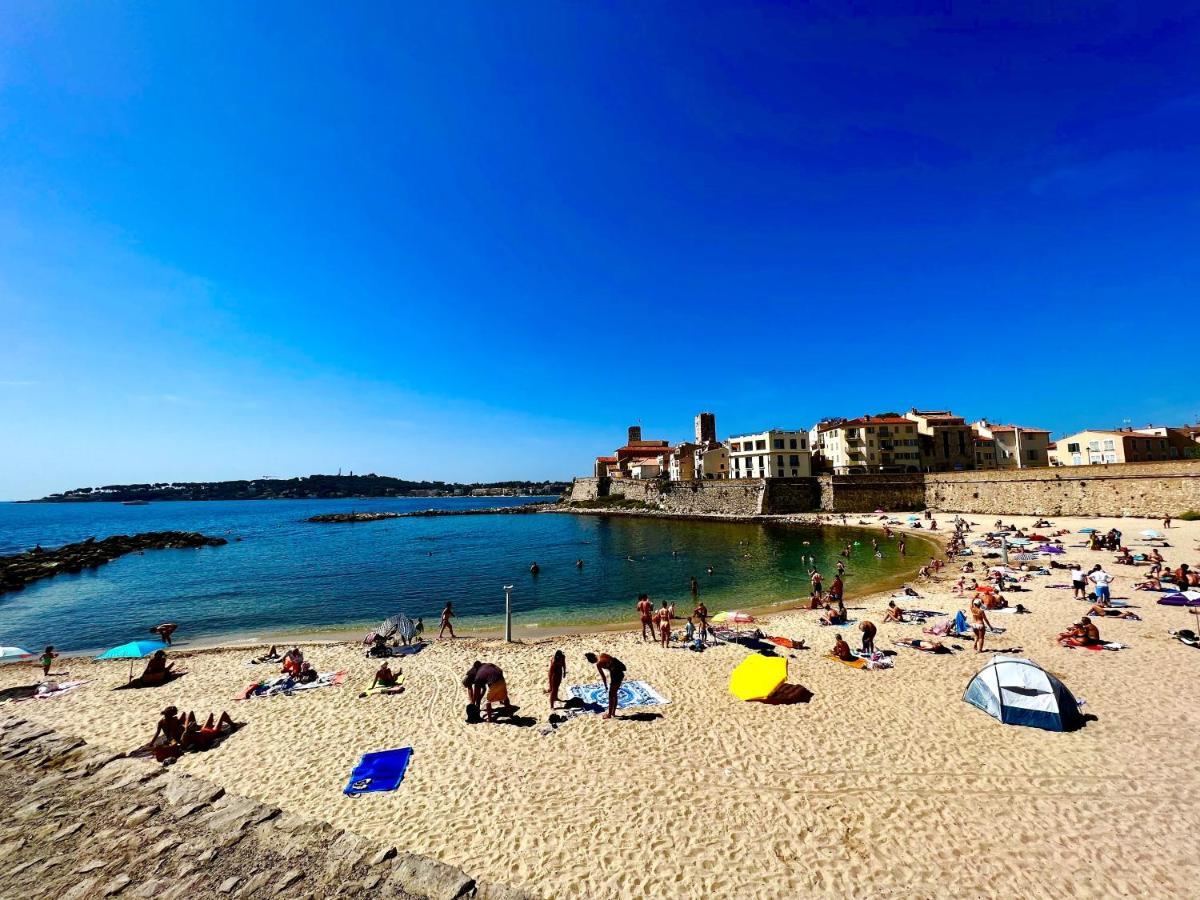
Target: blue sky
pixel 477 241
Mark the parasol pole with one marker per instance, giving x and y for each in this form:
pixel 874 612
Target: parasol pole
pixel 508 613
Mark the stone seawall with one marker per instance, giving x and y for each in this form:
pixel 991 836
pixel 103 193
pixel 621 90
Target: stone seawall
pixel 1136 489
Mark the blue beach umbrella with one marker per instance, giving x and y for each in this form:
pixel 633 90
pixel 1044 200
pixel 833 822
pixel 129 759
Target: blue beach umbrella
pixel 131 651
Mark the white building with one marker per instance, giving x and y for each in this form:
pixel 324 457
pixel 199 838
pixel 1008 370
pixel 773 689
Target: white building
pixel 770 454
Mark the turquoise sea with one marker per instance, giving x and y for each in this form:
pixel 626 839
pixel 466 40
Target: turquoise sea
pixel 288 576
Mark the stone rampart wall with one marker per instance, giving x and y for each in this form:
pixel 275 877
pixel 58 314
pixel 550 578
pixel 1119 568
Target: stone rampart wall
pixel 1136 489
pixel 863 493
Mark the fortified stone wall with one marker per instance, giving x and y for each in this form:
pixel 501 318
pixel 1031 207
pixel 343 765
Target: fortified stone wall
pixel 1137 489
pixel 736 497
pixel 584 489
pixel 863 493
pixel 793 495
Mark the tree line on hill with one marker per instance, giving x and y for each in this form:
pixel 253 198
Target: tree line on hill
pixel 305 488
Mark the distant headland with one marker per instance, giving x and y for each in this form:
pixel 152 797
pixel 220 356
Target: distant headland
pixel 309 487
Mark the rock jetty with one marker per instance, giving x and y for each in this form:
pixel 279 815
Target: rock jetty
pixel 24 568
pixel 377 516
pixel 84 822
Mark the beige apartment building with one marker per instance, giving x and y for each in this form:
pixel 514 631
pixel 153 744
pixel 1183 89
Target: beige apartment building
pixel 1016 447
pixel 947 442
pixel 869 444
pixel 1096 447
pixel 770 454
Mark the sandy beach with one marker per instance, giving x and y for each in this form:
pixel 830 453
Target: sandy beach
pixel 885 784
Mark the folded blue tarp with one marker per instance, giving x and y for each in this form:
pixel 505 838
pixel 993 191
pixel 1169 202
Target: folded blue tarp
pixel 380 771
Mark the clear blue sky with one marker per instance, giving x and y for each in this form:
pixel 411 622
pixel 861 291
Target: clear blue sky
pixel 475 241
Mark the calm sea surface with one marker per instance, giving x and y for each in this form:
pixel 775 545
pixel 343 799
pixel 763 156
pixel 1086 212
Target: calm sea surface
pixel 288 575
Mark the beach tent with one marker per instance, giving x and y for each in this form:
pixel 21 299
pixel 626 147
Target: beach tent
pixel 1020 692
pixel 757 676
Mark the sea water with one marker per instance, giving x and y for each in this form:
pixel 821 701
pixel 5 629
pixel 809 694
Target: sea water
pixel 286 575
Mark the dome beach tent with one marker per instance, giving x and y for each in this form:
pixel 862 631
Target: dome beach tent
pixel 1020 692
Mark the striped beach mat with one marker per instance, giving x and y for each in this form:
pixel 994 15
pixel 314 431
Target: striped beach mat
pixel 631 693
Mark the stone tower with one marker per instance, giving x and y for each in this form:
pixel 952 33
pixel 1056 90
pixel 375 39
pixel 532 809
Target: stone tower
pixel 635 434
pixel 706 428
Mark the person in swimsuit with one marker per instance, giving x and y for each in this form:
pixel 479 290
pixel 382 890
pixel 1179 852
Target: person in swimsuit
pixel 1098 610
pixel 384 677
pixel 157 669
pixel 816 581
pixel 558 671
pixel 447 615
pixel 664 624
pixel 695 587
pixel 534 568
pixel 484 683
pixel 47 658
pixel 979 624
pixel 293 662
pixel 646 613
pixel 893 613
pixel 842 650
pixel 867 627
pixel 837 589
pixel 612 673
pixel 164 631
pixel 1085 632
pixel 701 614
pixel 202 737
pixel 167 735
pixel 831 616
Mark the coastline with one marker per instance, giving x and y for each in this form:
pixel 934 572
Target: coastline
pixel 873 758
pixel 487 629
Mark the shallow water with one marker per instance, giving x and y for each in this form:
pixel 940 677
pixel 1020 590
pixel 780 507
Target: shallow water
pixel 288 575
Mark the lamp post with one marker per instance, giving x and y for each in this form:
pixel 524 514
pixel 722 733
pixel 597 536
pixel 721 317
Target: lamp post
pixel 508 613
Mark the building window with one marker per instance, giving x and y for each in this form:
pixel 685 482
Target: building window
pixel 1109 445
pixel 794 460
pixel 792 444
pixel 1072 448
pixel 778 444
pixel 1093 445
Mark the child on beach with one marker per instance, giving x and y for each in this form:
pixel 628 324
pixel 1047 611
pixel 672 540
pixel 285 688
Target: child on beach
pixel 47 658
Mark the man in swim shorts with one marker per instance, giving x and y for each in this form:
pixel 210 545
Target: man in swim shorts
pixel 612 673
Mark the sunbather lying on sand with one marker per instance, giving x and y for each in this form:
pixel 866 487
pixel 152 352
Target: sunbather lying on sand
pixel 1098 610
pixel 202 737
pixel 271 656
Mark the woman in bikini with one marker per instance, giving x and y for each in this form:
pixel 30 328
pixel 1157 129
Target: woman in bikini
pixel 558 671
pixel 979 624
pixel 447 615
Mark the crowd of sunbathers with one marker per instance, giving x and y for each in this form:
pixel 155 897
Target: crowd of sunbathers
pixel 487 689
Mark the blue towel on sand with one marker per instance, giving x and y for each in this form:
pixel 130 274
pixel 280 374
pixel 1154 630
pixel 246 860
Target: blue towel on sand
pixel 380 771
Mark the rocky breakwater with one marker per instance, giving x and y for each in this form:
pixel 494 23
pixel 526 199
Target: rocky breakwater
pixel 24 568
pixel 424 513
pixel 83 822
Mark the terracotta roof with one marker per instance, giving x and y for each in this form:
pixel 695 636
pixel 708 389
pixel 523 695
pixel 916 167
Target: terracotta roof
pixel 871 420
pixel 642 451
pixel 606 459
pixel 1015 427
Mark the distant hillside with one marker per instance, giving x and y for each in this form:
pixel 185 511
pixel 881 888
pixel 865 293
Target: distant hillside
pixel 307 488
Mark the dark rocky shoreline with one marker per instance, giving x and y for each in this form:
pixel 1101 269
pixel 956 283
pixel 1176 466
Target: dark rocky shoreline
pixel 430 513
pixel 24 568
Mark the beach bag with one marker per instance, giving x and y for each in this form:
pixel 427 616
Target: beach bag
pixel 473 717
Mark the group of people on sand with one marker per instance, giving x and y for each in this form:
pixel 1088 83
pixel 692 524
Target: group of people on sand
pixel 487 689
pixel 656 625
pixel 177 734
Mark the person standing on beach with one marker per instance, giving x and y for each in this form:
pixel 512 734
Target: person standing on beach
pixel 1078 582
pixel 612 673
pixel 447 615
pixel 558 671
pixel 979 624
pixel 1101 580
pixel 164 631
pixel 664 624
pixel 701 614
pixel 816 580
pixel 646 614
pixel 867 627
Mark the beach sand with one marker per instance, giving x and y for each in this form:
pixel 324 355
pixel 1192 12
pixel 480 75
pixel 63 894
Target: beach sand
pixel 886 784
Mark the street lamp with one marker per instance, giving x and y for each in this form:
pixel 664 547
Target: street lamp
pixel 508 613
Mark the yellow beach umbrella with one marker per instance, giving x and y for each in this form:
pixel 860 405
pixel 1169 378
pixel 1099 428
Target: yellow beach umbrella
pixel 757 676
